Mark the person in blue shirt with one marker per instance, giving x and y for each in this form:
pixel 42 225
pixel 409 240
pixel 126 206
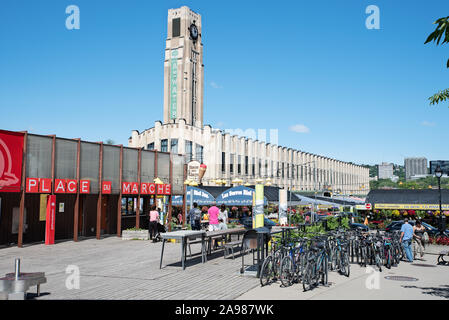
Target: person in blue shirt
pixel 406 239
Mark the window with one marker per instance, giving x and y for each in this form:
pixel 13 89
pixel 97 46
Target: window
pixel 272 166
pixel 283 170
pixel 164 145
pixel 254 167
pixel 150 146
pixel 246 165
pixel 176 27
pixel 199 153
pixel 174 146
pixel 223 163
pixel 231 163
pixel 189 150
pixel 266 168
pixel 260 167
pixel 239 169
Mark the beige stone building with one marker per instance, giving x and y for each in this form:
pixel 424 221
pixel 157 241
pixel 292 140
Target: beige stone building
pixel 230 156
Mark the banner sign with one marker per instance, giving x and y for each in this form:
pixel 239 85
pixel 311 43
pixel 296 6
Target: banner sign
pixel 258 209
pixel 238 196
pixel 44 185
pixel 146 188
pixel 411 206
pixel 43 207
pixel 193 171
pixel 50 220
pixel 11 154
pixel 283 207
pixel 174 84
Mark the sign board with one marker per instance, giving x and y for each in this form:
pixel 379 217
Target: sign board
pixel 283 207
pixel 61 207
pixel 11 153
pixel 193 171
pixel 258 209
pixel 406 206
pixel 50 220
pixel 174 84
pixel 368 206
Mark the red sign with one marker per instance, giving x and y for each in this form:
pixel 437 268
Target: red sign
pixel 60 186
pixel 11 154
pixel 84 186
pixel 71 186
pixel 368 206
pixel 107 187
pixel 43 185
pixel 32 185
pixel 146 188
pixel 50 220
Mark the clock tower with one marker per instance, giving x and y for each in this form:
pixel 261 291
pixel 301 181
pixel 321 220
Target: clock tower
pixel 183 68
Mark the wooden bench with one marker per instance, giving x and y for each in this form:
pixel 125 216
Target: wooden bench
pixel 230 246
pixel 441 260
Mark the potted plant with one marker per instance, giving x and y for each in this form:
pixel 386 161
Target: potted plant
pixel 135 234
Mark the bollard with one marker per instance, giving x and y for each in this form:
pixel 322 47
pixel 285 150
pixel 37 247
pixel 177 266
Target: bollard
pixel 17 272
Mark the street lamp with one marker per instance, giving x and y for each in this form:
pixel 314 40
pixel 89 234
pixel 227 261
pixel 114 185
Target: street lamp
pixel 438 174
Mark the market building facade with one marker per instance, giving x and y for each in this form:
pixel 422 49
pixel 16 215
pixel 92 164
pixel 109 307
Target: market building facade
pixel 229 157
pixel 97 188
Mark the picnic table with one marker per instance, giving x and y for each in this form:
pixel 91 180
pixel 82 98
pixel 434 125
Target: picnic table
pixel 223 234
pixel 184 235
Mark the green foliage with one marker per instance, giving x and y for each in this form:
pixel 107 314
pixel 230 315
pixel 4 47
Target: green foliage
pixel 232 225
pixel 422 183
pixel 296 218
pixel 440 96
pixel 441 32
pixel 135 229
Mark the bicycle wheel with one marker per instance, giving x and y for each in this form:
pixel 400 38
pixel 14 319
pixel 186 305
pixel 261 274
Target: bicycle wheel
pixel 333 258
pixel 363 257
pixel 324 271
pixel 266 272
pixel 307 278
pixel 287 271
pixel 344 264
pixel 378 261
pixel 388 258
pixel 277 258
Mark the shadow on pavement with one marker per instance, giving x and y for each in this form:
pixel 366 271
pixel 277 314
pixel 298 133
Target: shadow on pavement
pixel 441 291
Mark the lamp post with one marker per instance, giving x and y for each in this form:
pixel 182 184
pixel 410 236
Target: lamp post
pixel 438 174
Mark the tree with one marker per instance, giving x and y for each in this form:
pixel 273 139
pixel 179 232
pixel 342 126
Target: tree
pixel 110 141
pixel 441 31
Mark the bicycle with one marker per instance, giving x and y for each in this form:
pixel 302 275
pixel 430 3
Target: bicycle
pixel 316 267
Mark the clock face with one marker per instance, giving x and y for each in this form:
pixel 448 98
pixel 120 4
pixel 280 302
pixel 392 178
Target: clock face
pixel 193 32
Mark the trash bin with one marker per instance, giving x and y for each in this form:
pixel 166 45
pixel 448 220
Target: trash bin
pixel 255 240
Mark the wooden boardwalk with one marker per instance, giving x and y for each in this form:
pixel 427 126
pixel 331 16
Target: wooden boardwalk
pixel 112 268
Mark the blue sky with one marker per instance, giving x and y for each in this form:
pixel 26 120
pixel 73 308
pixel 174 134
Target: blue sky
pixel 351 93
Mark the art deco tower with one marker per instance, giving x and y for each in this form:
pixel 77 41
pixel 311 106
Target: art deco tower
pixel 183 68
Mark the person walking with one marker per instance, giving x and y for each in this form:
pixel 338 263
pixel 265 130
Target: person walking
pixel 213 217
pixel 418 239
pixel 195 217
pixel 406 239
pixel 154 217
pixel 223 218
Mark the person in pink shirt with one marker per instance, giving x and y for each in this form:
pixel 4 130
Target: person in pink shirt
pixel 154 217
pixel 213 217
